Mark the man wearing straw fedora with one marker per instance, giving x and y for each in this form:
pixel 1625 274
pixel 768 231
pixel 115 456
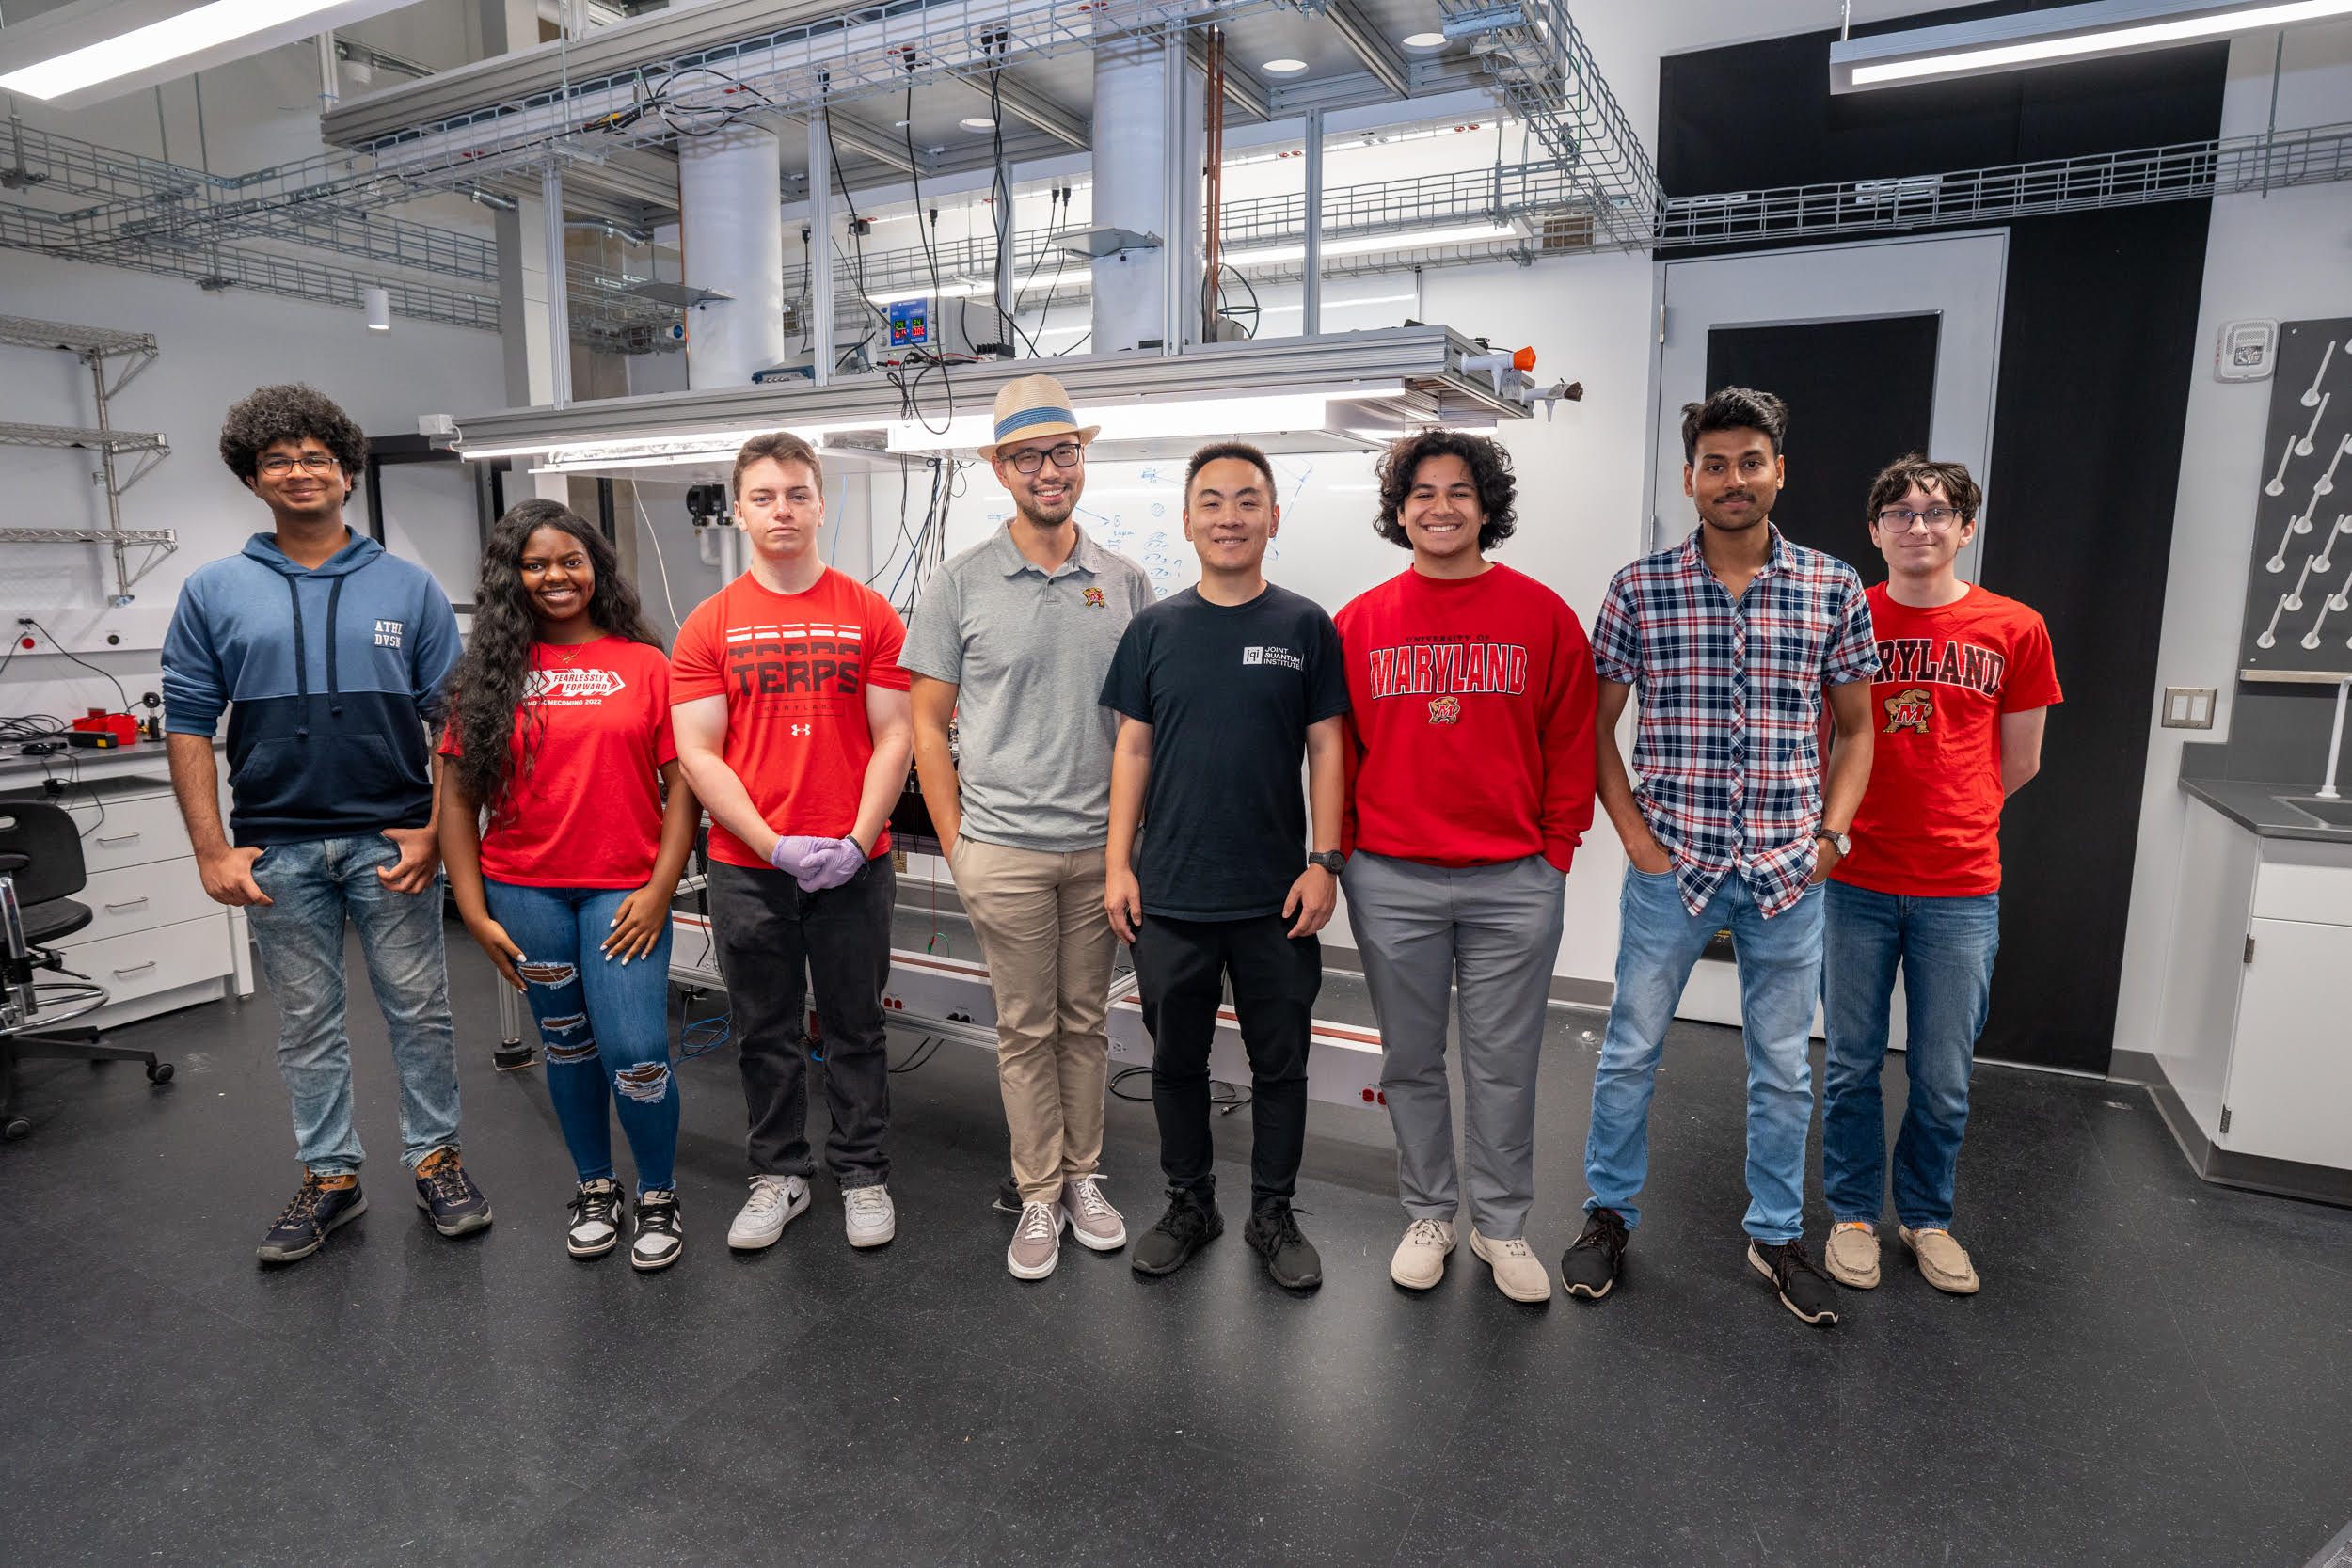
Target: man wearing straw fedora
pixel 1012 639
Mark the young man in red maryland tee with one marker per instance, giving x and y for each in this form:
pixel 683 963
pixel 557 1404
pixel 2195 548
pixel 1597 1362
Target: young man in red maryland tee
pixel 1470 785
pixel 1964 682
pixel 794 725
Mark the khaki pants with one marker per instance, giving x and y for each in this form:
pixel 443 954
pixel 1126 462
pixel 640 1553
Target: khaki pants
pixel 1048 946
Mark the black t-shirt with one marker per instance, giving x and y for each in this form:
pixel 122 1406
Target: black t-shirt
pixel 1229 691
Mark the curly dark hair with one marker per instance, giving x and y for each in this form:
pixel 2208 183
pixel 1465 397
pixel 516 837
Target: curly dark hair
pixel 486 689
pixel 288 413
pixel 1490 470
pixel 1734 408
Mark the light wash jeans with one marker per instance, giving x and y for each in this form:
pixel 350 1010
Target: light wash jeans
pixel 312 888
pixel 1945 947
pixel 1780 976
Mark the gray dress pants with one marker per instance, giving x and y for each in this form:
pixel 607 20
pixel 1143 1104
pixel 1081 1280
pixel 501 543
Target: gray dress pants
pixel 1494 932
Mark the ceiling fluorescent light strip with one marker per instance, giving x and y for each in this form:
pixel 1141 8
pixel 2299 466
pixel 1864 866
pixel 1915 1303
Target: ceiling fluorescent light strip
pixel 1419 239
pixel 1296 409
pixel 144 48
pixel 690 446
pixel 2117 38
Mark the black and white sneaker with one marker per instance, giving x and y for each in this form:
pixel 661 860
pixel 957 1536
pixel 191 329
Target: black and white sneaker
pixel 595 1227
pixel 659 1237
pixel 1590 1267
pixel 1804 1288
pixel 323 1203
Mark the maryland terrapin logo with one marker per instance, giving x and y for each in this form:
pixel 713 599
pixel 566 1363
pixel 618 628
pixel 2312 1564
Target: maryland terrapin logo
pixel 1444 711
pixel 1909 709
pixel 1095 600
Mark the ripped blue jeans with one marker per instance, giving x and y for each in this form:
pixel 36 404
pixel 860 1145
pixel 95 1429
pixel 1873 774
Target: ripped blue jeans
pixel 605 1026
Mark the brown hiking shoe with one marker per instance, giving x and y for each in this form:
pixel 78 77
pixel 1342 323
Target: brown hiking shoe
pixel 1943 1262
pixel 1853 1255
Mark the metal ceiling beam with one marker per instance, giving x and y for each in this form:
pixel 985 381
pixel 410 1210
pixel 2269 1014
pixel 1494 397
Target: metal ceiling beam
pixel 851 135
pixel 1025 104
pixel 1242 90
pixel 1363 36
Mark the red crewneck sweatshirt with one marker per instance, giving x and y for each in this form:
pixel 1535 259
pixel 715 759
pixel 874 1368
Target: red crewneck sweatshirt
pixel 1470 741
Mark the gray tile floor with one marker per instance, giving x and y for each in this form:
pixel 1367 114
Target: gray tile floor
pixel 2157 1371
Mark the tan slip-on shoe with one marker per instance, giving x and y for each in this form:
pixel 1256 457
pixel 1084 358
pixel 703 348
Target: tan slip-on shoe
pixel 1943 1262
pixel 1420 1260
pixel 1853 1255
pixel 1517 1275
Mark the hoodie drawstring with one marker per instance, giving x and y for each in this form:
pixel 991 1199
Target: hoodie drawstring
pixel 302 662
pixel 334 693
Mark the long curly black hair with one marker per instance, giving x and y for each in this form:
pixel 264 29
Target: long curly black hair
pixel 288 413
pixel 486 689
pixel 1490 471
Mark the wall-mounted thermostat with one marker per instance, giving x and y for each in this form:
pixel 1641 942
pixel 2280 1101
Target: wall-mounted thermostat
pixel 2246 351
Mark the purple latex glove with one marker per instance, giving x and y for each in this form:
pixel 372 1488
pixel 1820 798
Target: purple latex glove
pixel 796 854
pixel 833 861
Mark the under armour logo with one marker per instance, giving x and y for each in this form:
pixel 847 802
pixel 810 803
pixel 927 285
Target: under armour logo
pixel 804 729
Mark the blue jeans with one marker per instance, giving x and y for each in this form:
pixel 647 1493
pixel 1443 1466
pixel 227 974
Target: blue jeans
pixel 1945 946
pixel 604 1025
pixel 312 887
pixel 1780 976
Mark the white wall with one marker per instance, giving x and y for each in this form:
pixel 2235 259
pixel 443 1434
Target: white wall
pixel 2286 256
pixel 215 348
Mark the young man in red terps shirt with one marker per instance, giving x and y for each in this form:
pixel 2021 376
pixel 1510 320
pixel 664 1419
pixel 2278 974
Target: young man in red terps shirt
pixel 794 726
pixel 1470 785
pixel 1964 682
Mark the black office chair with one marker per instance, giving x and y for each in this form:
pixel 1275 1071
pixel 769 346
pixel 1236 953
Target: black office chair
pixel 40 869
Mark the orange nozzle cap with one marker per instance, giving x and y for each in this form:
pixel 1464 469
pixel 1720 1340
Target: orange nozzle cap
pixel 1524 359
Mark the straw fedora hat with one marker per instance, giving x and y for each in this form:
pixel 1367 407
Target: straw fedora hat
pixel 1034 406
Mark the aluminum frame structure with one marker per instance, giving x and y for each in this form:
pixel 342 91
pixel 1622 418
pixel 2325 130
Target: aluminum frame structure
pixel 93 346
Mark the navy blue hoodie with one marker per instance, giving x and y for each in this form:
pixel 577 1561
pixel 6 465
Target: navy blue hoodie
pixel 331 675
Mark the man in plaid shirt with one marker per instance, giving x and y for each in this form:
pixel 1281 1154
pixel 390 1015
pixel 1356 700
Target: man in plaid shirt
pixel 1730 638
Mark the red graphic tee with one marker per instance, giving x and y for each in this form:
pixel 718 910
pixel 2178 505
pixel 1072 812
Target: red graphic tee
pixel 1931 823
pixel 585 809
pixel 1470 730
pixel 794 669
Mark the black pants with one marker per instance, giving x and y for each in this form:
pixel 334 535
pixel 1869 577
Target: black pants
pixel 1181 965
pixel 770 936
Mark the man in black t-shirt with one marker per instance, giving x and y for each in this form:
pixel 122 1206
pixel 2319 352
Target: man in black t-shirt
pixel 1220 690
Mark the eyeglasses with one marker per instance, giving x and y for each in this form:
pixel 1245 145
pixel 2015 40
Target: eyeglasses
pixel 278 465
pixel 1030 459
pixel 1898 519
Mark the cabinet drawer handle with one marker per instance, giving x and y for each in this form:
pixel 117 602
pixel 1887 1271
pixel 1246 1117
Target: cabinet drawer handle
pixel 134 968
pixel 138 903
pixel 105 843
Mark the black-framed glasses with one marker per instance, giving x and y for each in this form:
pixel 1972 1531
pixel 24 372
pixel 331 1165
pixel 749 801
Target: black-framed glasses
pixel 1900 518
pixel 1030 459
pixel 278 465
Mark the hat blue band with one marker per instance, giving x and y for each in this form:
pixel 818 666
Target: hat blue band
pixel 1027 416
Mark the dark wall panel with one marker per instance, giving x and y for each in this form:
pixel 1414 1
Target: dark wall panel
pixel 2097 348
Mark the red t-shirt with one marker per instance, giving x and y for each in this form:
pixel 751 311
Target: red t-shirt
pixel 585 810
pixel 1471 731
pixel 794 669
pixel 1931 823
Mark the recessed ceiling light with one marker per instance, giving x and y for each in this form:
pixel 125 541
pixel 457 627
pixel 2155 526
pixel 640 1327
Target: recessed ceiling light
pixel 1425 40
pixel 977 122
pixel 1283 68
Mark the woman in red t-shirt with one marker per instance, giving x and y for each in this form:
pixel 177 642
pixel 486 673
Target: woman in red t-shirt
pixel 560 725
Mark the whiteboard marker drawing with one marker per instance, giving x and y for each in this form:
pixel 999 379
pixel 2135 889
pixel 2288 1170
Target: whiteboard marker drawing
pixel 2311 399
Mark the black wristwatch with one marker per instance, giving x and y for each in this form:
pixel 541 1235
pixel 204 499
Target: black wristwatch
pixel 1330 860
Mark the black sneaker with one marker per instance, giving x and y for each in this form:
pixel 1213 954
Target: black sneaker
pixel 659 1239
pixel 1804 1288
pixel 595 1227
pixel 448 1195
pixel 1190 1224
pixel 1272 1232
pixel 1590 1268
pixel 316 1210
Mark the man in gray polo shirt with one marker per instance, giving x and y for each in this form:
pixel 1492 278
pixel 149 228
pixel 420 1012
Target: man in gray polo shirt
pixel 1013 639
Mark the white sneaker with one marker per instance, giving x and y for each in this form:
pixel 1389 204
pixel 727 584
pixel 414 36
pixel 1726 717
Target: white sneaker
pixel 1517 1275
pixel 1420 1260
pixel 868 1216
pixel 773 1202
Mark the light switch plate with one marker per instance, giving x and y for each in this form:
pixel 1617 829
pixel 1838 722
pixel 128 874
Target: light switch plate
pixel 2188 707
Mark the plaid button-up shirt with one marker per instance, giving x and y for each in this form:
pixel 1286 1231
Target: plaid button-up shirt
pixel 1728 752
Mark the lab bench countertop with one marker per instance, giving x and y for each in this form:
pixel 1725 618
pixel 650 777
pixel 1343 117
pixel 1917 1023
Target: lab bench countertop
pixel 2275 810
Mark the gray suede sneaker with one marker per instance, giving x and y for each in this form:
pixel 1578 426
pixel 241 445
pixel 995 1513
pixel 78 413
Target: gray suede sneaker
pixel 1036 1242
pixel 1097 1225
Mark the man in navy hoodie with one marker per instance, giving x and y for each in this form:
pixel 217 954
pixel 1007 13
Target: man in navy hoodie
pixel 330 657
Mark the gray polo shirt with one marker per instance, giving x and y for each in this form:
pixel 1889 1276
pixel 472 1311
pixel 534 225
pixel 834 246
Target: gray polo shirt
pixel 1028 652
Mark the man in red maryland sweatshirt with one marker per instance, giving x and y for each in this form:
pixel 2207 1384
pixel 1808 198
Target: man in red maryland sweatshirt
pixel 1470 785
